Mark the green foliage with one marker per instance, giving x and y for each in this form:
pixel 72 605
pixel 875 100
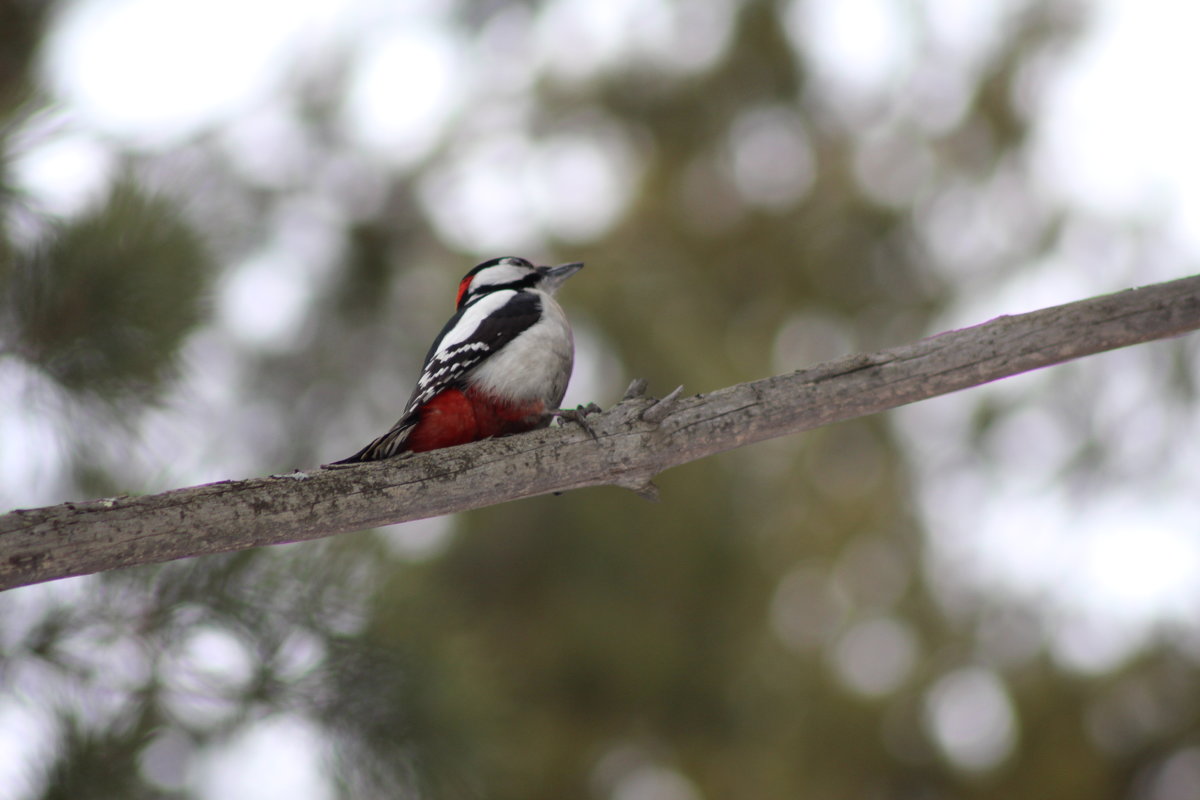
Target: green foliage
pixel 105 304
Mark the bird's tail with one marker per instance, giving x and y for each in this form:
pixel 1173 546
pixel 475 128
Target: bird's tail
pixel 392 443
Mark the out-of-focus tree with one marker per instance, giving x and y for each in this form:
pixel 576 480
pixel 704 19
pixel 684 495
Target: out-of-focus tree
pixel 773 628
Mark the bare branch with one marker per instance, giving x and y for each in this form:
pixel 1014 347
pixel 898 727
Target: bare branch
pixel 636 440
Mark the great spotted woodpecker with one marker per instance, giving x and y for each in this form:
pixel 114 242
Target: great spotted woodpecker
pixel 499 366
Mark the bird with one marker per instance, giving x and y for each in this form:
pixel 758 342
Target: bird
pixel 499 366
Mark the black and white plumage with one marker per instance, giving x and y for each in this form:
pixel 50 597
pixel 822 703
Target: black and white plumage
pixel 499 365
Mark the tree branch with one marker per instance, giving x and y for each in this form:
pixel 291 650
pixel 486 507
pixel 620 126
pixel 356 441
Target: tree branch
pixel 636 440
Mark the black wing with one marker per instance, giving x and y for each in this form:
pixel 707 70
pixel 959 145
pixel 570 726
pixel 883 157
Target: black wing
pixel 475 332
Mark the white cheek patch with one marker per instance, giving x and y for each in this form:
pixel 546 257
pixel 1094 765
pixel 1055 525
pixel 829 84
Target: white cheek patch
pixel 498 276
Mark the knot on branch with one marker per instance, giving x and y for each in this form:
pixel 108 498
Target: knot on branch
pixel 656 413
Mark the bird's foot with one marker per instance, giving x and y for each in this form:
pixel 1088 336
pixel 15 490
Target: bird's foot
pixel 578 415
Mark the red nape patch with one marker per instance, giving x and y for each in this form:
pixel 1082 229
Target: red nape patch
pixel 454 417
pixel 463 285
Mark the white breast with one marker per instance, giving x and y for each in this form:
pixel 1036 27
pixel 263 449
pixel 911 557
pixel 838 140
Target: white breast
pixel 537 364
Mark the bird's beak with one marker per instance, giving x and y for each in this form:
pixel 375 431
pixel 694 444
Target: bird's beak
pixel 553 277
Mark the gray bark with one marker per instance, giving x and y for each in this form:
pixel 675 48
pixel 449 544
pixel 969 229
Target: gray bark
pixel 635 440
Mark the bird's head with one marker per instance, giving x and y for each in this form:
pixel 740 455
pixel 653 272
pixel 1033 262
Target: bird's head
pixel 510 272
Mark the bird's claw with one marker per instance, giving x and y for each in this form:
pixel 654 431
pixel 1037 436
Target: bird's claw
pixel 578 415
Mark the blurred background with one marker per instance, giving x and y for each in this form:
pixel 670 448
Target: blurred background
pixel 229 231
